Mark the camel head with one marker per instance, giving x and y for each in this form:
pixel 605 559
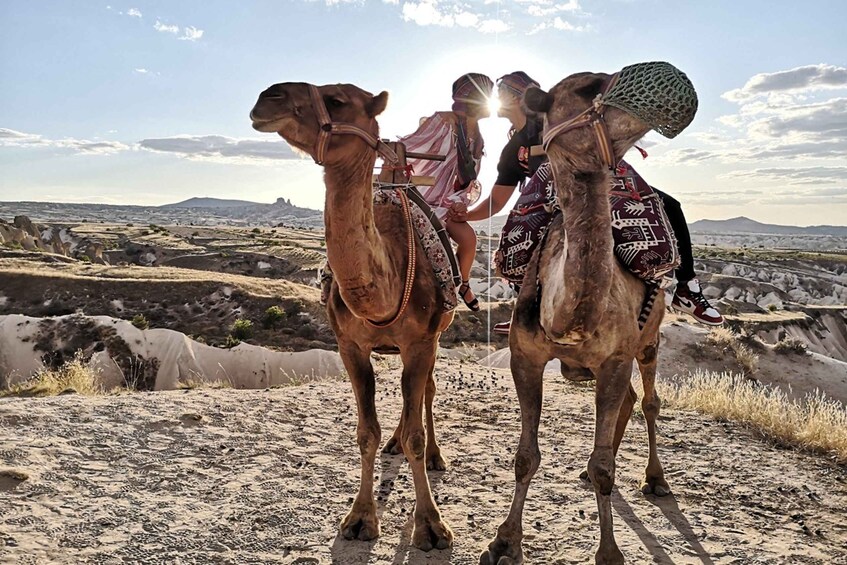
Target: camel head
pixel 288 109
pixel 620 108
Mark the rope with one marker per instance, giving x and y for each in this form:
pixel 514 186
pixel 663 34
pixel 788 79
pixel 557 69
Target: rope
pixel 410 265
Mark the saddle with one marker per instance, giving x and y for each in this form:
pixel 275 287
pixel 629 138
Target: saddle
pixel 644 241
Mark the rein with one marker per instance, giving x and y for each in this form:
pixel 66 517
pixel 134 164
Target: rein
pixel 327 127
pixel 593 117
pixel 410 265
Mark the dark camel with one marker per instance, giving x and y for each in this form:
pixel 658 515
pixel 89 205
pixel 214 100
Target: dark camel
pixel 579 305
pixel 368 250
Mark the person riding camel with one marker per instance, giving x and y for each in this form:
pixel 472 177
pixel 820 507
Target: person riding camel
pixel 455 134
pixel 517 164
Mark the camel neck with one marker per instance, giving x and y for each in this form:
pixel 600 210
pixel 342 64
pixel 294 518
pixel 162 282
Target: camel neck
pixel 589 263
pixel 355 249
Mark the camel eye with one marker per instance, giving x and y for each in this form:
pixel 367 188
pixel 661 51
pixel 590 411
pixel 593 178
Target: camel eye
pixel 333 102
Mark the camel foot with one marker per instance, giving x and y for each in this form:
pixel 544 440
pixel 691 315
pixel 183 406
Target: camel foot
pixel 432 532
pixel 360 524
pixel 501 552
pixel 655 485
pixel 435 462
pixel 609 556
pixel 393 447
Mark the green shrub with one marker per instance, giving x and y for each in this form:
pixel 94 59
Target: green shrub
pixel 231 342
pixel 85 259
pixel 256 230
pixel 273 316
pixel 242 329
pixel 140 322
pixel 772 308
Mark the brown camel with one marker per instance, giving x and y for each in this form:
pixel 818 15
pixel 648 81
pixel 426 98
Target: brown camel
pixel 579 305
pixel 376 301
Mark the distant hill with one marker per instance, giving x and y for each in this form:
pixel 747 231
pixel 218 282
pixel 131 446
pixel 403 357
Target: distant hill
pixel 743 224
pixel 210 203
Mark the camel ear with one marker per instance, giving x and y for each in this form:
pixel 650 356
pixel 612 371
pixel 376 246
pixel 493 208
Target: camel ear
pixel 590 90
pixel 377 104
pixel 537 100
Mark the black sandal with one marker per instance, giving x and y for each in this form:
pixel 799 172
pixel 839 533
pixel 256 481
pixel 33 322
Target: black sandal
pixel 473 304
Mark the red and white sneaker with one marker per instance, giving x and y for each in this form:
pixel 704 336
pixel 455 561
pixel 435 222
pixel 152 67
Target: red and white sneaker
pixel 689 299
pixel 502 328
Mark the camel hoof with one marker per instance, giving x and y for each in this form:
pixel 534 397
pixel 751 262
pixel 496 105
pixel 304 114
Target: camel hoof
pixel 436 463
pixel 612 556
pixel 432 534
pixel 393 447
pixel 658 487
pixel 501 553
pixel 360 525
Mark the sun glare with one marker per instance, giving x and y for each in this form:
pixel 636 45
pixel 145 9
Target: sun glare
pixel 494 104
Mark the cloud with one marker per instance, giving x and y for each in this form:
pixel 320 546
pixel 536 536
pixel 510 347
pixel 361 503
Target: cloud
pixel 543 9
pixel 558 24
pixel 797 175
pixel 12 138
pixel 134 13
pixel 159 26
pixel 800 79
pixel 221 148
pixel 493 26
pixel 141 71
pixel 191 33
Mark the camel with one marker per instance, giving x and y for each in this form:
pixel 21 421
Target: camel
pixel 381 297
pixel 579 305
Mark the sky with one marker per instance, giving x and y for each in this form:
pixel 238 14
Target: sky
pixel 147 102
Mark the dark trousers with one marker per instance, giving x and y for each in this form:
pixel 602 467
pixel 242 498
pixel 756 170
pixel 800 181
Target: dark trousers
pixel 685 271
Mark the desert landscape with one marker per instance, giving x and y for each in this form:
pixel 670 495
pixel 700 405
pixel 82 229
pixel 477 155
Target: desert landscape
pixel 171 393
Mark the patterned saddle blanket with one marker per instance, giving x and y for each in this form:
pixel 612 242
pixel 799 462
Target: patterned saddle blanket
pixel 644 241
pixel 433 236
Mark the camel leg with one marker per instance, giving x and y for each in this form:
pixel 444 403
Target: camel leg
pixel 506 549
pixel 362 521
pixel 434 460
pixel 430 529
pixel 394 446
pixel 612 388
pixel 624 415
pixel 654 479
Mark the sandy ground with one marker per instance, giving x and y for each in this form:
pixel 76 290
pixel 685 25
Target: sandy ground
pixel 264 476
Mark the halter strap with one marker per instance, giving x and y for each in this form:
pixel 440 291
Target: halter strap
pixel 591 116
pixel 328 127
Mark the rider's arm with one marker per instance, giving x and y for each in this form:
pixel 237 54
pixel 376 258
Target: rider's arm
pixel 500 195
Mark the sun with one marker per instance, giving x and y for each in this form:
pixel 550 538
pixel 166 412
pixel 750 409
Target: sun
pixel 494 104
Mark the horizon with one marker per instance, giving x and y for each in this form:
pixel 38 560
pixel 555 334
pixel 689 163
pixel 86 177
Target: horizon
pixel 155 95
pixel 499 215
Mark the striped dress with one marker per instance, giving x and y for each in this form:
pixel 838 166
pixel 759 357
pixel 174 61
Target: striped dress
pixel 437 135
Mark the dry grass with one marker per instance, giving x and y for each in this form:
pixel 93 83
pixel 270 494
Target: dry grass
pixel 195 384
pixel 727 340
pixel 72 377
pixel 816 423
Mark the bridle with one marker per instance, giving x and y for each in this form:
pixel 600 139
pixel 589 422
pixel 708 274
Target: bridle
pixel 591 116
pixel 327 127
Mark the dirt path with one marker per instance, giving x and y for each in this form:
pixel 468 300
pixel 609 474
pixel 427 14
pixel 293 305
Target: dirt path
pixel 226 476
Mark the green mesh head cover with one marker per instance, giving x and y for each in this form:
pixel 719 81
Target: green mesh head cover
pixel 658 94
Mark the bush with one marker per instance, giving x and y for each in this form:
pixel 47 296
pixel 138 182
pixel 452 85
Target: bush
pixel 242 329
pixel 140 322
pixel 256 230
pixel 295 307
pixel 273 316
pixel 772 308
pixel 791 345
pixel 85 259
pixel 231 342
